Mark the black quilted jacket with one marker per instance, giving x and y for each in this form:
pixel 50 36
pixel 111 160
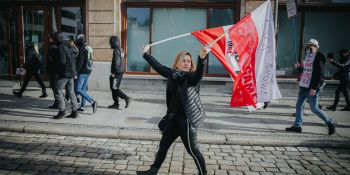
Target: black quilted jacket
pixel 187 88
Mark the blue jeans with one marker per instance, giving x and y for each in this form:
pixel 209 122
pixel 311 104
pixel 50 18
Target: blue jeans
pixel 313 102
pixel 83 80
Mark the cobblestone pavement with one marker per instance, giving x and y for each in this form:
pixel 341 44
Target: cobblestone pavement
pixel 22 153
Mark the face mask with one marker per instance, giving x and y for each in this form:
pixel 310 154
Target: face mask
pixel 308 50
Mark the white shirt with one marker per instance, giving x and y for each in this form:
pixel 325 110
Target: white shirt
pixel 308 62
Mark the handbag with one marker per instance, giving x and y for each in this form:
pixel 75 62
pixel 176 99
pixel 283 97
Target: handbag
pixel 165 122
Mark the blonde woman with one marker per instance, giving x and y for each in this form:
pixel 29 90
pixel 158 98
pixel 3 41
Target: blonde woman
pixel 184 106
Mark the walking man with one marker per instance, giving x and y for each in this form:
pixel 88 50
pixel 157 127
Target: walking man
pixel 66 70
pixel 117 71
pixel 311 80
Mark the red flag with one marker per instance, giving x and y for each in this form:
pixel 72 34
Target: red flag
pixel 255 82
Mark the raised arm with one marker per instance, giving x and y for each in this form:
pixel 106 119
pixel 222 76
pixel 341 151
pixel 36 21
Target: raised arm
pixel 196 76
pixel 161 69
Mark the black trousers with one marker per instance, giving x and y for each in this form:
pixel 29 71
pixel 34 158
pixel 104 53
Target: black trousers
pixel 53 80
pixel 342 88
pixel 188 134
pixel 27 77
pixel 116 92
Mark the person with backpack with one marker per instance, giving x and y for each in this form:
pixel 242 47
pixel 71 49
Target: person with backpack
pixel 66 70
pixel 84 69
pixel 117 71
pixel 32 67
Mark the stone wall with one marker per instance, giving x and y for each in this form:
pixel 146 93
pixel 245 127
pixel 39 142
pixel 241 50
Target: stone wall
pixel 104 21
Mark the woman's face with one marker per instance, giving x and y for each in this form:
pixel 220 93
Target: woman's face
pixel 185 63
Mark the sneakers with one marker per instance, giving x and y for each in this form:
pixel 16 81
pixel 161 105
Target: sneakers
pixel 74 114
pixel 17 93
pixel 94 107
pixel 114 106
pixel 54 106
pixel 60 115
pixel 127 102
pixel 44 95
pixel 81 109
pixel 294 129
pixel 346 108
pixel 333 108
pixel 152 171
pixel 331 128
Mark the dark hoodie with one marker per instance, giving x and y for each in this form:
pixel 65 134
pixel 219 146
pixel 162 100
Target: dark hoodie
pixel 82 58
pixel 66 66
pixel 117 66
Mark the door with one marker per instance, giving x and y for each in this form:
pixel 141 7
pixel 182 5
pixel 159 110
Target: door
pixel 35 29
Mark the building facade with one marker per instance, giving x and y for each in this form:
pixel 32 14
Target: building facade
pixel 140 22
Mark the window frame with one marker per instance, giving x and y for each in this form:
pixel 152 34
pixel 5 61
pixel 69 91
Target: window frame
pixel 195 5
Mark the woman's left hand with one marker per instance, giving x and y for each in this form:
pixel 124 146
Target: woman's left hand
pixel 312 92
pixel 204 52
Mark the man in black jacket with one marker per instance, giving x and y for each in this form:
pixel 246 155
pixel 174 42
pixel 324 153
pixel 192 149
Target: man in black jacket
pixel 32 67
pixel 84 70
pixel 343 75
pixel 117 71
pixel 52 60
pixel 66 70
pixel 311 80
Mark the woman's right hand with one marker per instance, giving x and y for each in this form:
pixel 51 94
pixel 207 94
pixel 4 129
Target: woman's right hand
pixel 145 48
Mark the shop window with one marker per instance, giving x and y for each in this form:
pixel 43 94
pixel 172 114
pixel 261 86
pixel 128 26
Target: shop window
pixel 169 22
pixel 138 26
pixel 71 22
pixel 219 17
pixel 285 44
pixel 4 56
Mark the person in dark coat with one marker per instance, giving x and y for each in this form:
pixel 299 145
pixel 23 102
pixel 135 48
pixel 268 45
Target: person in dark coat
pixel 32 67
pixel 117 72
pixel 311 81
pixel 343 74
pixel 184 104
pixel 66 70
pixel 52 60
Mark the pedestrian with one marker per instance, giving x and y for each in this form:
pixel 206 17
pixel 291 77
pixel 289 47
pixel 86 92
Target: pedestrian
pixel 32 66
pixel 84 69
pixel 343 74
pixel 183 101
pixel 311 80
pixel 51 66
pixel 75 52
pixel 66 70
pixel 117 71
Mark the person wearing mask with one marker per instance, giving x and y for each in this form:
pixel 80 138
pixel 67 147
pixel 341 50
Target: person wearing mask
pixel 184 105
pixel 84 69
pixel 117 71
pixel 343 75
pixel 32 67
pixel 311 80
pixel 66 70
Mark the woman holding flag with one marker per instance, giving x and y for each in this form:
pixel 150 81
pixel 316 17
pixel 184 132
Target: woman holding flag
pixel 184 105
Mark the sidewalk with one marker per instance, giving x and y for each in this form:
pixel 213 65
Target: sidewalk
pixel 223 125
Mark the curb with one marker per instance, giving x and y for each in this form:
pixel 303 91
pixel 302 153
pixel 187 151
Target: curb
pixel 295 140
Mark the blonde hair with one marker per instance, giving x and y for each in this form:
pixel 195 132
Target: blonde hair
pixel 181 56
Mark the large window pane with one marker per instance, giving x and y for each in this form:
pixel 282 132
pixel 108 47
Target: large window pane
pixel 219 17
pixel 169 22
pixel 332 33
pixel 4 56
pixel 138 26
pixel 285 44
pixel 71 22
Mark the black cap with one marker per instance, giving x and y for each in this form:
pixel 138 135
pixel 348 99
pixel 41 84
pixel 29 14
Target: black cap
pixel 343 51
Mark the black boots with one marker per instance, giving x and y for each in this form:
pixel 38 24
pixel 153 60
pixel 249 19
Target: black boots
pixel 17 93
pixel 44 94
pixel 60 115
pixel 331 128
pixel 114 106
pixel 152 171
pixel 294 129
pixel 127 102
pixel 333 108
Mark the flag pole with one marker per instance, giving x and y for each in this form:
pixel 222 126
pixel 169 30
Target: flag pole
pixel 168 39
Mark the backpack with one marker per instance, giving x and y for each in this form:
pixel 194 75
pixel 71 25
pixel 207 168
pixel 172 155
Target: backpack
pixel 90 56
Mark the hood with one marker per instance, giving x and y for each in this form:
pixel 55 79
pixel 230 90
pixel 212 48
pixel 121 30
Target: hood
pixel 80 39
pixel 58 38
pixel 114 42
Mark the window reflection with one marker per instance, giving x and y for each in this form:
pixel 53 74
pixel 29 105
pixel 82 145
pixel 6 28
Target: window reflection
pixel 4 57
pixel 71 22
